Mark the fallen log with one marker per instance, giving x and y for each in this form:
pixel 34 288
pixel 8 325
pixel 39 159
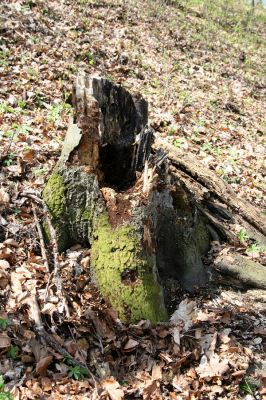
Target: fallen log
pixel 247 271
pixel 139 204
pixel 215 186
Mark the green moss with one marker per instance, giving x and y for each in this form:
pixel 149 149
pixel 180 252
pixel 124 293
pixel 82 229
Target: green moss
pixel 87 215
pixel 54 195
pixel 124 273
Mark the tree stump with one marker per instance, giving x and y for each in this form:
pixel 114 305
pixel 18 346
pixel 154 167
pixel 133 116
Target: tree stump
pixel 116 190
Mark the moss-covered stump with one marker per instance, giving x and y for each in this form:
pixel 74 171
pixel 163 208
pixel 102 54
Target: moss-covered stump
pixel 87 199
pixel 125 272
pixel 73 198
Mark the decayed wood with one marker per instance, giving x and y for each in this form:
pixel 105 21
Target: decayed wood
pixel 245 270
pixel 216 186
pixel 148 211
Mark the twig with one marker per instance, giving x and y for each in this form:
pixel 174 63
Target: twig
pixel 49 340
pixel 57 269
pixel 39 229
pixel 47 286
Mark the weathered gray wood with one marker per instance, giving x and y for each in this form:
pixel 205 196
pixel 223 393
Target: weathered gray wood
pixel 216 186
pixel 245 270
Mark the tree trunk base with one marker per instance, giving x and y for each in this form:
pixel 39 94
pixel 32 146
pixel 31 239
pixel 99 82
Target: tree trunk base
pixel 144 213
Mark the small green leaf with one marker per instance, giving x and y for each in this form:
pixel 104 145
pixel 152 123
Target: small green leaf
pixel 248 385
pixel 178 142
pixel 2 383
pixel 253 249
pixel 13 352
pixel 242 235
pixel 4 323
pixel 6 396
pixel 78 372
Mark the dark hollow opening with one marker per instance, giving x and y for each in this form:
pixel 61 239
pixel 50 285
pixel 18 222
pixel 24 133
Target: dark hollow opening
pixel 116 166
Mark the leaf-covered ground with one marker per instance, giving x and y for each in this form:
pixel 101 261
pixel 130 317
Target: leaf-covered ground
pixel 201 66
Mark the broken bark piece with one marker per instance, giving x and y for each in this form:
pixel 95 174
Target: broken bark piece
pixel 248 272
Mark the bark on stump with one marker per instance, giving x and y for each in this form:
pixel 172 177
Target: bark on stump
pixel 114 189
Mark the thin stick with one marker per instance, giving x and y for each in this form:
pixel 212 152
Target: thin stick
pixel 49 340
pixel 57 269
pixel 41 238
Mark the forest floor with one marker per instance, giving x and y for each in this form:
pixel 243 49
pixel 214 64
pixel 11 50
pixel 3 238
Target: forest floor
pixel 201 67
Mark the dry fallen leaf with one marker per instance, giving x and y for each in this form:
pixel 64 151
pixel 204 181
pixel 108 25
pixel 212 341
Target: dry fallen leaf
pixel 184 313
pixel 11 242
pixel 46 384
pixel 131 345
pixel 212 368
pixel 151 387
pixel 156 373
pixel 5 340
pixel 208 343
pixel 4 199
pixel 4 279
pixel 6 253
pixel 181 320
pixel 4 264
pixel 43 364
pixel 180 383
pixel 166 357
pixel 113 388
pixel 260 330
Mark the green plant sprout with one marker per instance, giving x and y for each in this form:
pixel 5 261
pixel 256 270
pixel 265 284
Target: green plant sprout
pixel 4 323
pixel 4 56
pixel 178 142
pixel 172 130
pixel 78 373
pixel 5 108
pixel 90 58
pixel 9 159
pixel 39 172
pixel 254 248
pixel 242 235
pixel 13 352
pixel 248 386
pixel 56 111
pixel 3 394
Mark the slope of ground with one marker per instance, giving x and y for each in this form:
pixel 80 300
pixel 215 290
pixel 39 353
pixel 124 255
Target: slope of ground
pixel 201 66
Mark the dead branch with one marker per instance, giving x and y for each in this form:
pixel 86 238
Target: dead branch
pixel 41 238
pixel 56 271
